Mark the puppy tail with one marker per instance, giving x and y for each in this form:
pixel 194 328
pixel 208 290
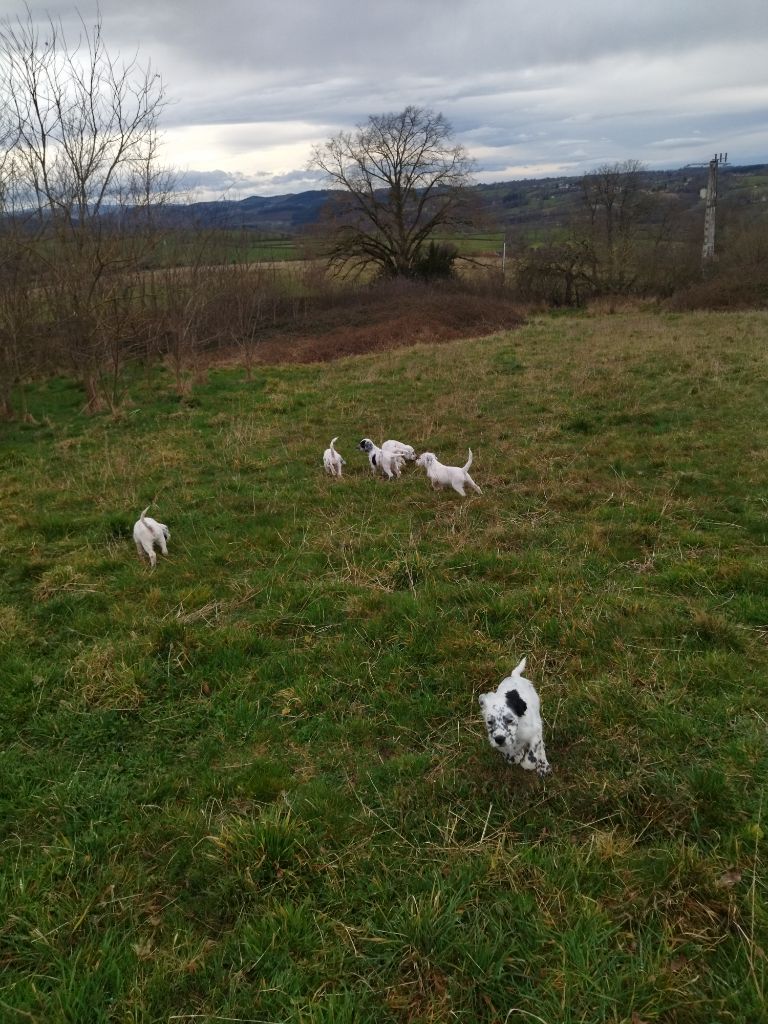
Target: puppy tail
pixel 141 517
pixel 469 461
pixel 520 668
pixel 333 442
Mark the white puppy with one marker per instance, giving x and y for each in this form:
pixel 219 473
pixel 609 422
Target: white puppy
pixel 405 451
pixel 146 533
pixel 332 460
pixel 387 463
pixel 448 476
pixel 513 719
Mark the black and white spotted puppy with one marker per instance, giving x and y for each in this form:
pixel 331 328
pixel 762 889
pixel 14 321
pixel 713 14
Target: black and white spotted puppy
pixel 513 719
pixel 381 461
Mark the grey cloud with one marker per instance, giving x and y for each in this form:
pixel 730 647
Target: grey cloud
pixel 220 184
pixel 312 179
pixel 551 84
pixel 434 36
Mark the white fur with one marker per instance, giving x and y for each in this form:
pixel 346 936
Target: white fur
pixel 147 532
pixel 405 451
pixel 332 460
pixel 387 462
pixel 512 719
pixel 456 477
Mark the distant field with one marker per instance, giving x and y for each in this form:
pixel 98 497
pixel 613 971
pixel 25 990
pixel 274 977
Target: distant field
pixel 224 247
pixel 250 247
pixel 253 785
pixel 287 249
pixel 469 245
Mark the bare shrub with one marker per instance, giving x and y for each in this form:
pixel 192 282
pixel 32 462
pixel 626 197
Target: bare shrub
pixel 18 321
pixel 557 274
pixel 726 288
pixel 389 314
pixel 739 277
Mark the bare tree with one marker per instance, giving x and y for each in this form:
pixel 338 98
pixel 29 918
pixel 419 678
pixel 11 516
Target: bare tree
pixel 83 130
pixel 86 122
pixel 614 201
pixel 400 180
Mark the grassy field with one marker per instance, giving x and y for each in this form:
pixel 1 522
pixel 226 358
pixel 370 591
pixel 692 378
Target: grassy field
pixel 489 243
pixel 222 247
pixel 253 784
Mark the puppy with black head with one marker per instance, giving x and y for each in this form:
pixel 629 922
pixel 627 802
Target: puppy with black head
pixel 386 462
pixel 512 717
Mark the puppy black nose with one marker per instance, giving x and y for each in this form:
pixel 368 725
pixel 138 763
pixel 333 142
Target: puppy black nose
pixel 499 740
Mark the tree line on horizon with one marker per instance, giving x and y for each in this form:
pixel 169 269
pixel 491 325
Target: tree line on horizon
pixel 85 285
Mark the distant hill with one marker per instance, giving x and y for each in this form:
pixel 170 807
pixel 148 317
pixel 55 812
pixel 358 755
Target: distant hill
pixel 533 205
pixel 287 213
pixel 546 204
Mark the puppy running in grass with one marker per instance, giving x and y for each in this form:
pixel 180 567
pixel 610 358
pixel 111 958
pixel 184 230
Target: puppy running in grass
pixel 332 460
pixel 147 533
pixel 456 477
pixel 512 719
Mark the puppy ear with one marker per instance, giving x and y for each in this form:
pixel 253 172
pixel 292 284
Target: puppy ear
pixel 483 699
pixel 516 703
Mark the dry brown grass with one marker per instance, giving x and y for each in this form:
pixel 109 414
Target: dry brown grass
pixel 388 317
pixel 102 677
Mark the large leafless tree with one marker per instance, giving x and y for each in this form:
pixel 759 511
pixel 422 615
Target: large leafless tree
pixel 81 140
pixel 401 181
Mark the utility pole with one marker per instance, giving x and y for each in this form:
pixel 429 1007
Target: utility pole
pixel 708 249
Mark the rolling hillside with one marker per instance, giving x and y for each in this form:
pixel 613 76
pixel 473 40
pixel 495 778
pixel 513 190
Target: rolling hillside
pixel 535 206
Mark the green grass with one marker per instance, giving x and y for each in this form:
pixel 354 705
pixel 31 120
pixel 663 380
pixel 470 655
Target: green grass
pixel 476 244
pixel 254 784
pixel 217 246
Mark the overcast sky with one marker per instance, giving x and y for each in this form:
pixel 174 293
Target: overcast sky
pixel 531 88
